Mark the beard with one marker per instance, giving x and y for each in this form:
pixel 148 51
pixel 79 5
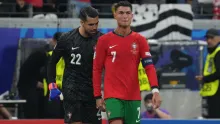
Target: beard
pixel 89 33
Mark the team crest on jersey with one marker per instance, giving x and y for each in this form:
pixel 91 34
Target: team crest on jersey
pixel 134 47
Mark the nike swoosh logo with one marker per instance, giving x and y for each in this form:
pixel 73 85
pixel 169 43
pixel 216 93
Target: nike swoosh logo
pixel 73 48
pixel 138 121
pixel 112 46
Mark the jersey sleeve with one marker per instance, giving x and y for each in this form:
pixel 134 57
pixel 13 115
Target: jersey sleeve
pixel 98 64
pixel 55 57
pixel 147 62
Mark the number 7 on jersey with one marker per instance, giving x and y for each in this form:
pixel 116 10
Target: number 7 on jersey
pixel 113 53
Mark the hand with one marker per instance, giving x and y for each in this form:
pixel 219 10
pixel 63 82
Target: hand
pixel 100 104
pixel 54 92
pixel 40 85
pixel 156 110
pixel 156 100
pixel 199 77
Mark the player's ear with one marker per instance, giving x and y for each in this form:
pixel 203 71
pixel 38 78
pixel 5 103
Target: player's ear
pixel 114 14
pixel 81 22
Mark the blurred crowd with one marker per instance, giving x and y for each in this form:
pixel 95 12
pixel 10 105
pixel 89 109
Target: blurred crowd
pixel 29 8
pixel 203 9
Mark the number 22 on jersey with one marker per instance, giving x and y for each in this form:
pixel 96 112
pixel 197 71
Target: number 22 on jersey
pixel 75 59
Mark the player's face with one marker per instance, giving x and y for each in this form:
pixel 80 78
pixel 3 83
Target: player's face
pixel 124 16
pixel 91 25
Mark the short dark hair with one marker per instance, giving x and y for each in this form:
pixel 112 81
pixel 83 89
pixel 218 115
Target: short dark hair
pixel 57 35
pixel 123 3
pixel 88 12
pixel 148 97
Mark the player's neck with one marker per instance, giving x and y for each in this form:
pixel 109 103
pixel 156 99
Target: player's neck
pixel 123 31
pixel 82 32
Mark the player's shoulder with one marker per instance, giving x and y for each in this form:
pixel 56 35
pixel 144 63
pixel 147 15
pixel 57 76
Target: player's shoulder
pixel 106 36
pixel 67 35
pixel 98 35
pixel 137 35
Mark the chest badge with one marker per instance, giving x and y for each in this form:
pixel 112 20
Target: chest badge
pixel 134 47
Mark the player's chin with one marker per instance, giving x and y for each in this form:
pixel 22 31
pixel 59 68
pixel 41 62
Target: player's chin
pixel 92 33
pixel 125 25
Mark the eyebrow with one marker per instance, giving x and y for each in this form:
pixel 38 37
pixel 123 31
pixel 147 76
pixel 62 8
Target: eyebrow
pixel 93 23
pixel 124 11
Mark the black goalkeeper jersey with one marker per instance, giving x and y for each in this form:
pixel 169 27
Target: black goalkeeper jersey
pixel 77 52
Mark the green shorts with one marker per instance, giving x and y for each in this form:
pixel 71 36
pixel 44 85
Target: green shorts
pixel 127 110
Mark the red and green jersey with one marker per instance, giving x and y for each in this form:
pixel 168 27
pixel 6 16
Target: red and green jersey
pixel 120 56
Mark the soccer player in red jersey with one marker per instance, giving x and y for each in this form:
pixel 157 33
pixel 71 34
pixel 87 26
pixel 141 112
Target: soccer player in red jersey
pixel 119 53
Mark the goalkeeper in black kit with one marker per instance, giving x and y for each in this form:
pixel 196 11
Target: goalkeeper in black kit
pixel 77 49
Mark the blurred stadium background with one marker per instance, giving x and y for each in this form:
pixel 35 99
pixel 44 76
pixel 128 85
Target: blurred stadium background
pixel 173 27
